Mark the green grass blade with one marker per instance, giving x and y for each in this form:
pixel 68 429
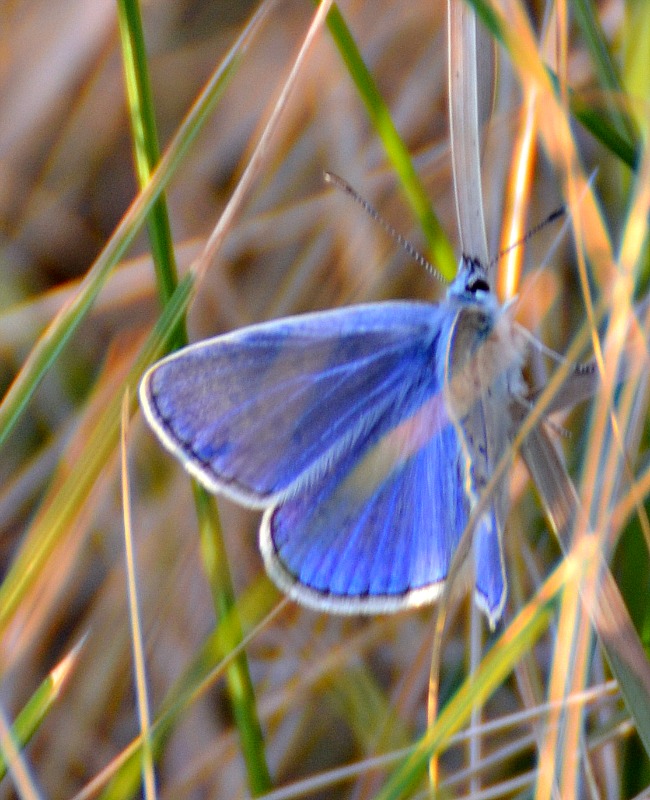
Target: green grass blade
pixel 605 68
pixel 39 704
pixel 238 678
pixel 518 639
pixel 442 253
pixel 56 519
pixel 599 125
pixel 145 145
pixel 212 662
pixel 592 118
pixel 54 339
pixel 145 139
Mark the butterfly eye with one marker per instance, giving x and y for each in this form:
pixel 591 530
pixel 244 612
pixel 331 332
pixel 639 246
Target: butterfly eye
pixel 479 285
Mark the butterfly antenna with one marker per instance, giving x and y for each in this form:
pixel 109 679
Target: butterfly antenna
pixel 559 212
pixel 335 180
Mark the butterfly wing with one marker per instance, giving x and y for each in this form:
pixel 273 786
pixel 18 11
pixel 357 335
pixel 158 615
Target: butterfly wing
pixel 338 423
pixel 260 412
pixel 378 534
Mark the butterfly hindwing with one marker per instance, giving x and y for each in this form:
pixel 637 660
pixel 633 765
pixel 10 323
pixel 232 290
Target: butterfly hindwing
pixel 379 534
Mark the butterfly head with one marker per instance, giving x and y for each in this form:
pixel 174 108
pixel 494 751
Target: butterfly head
pixel 471 284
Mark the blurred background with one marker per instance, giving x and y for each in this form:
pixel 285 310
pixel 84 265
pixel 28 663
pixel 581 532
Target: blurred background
pixel 329 691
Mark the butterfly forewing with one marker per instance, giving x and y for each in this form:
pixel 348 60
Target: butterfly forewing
pixel 259 412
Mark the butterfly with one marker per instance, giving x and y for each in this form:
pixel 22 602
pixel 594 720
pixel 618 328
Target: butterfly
pixel 367 435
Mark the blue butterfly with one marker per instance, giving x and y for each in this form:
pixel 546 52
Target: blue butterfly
pixel 366 433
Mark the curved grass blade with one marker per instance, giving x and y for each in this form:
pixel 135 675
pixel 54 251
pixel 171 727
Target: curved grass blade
pixel 516 640
pixel 597 123
pixel 49 528
pixel 146 150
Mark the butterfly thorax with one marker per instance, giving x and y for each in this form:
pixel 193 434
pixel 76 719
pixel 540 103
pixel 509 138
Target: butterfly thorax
pixel 485 351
